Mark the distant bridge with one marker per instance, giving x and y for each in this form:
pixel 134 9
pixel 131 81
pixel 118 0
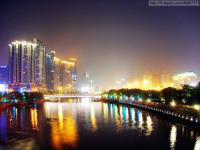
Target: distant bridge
pixel 55 96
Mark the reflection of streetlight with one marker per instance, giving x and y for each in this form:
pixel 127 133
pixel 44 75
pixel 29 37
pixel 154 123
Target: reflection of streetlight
pixel 173 135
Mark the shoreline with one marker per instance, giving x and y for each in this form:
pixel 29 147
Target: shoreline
pixel 4 106
pixel 172 116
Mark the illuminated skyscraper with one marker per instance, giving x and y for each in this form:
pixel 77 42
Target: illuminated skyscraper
pixel 39 57
pixel 60 75
pixel 66 76
pixel 26 65
pixel 50 71
pixel 74 72
pixel 3 74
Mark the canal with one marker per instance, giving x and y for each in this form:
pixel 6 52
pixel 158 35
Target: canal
pixel 84 124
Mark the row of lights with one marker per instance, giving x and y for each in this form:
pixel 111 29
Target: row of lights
pixel 170 113
pixel 173 104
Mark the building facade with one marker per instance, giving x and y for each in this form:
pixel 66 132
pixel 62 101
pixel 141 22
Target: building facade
pixel 3 74
pixel 49 63
pixel 26 66
pixel 61 75
pixel 32 68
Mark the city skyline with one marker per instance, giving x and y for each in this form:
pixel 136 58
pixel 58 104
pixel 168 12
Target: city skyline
pixel 32 67
pixel 112 40
pixel 100 74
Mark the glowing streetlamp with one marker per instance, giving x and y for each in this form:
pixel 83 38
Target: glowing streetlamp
pixel 197 107
pixel 148 100
pixel 173 103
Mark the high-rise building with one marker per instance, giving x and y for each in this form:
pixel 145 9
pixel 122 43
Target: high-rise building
pixel 74 73
pixel 27 66
pixel 60 75
pixel 40 56
pixel 31 68
pixel 3 74
pixel 66 76
pixel 50 71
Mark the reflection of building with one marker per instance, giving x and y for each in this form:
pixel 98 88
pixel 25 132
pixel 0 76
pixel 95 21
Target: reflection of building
pixel 186 78
pixel 27 65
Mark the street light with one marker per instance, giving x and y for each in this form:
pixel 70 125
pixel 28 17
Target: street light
pixel 173 103
pixel 196 107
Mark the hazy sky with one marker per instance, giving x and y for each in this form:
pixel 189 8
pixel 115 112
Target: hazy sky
pixel 111 38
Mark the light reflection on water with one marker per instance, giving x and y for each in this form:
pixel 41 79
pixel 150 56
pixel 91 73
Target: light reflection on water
pixel 66 124
pixel 173 134
pixel 197 144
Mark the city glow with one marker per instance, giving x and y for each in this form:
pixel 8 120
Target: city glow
pixel 85 89
pixel 68 63
pixel 3 87
pixel 184 76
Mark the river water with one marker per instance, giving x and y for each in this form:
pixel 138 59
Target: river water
pixel 86 125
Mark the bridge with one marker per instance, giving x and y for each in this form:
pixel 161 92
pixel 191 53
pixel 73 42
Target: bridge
pixel 55 96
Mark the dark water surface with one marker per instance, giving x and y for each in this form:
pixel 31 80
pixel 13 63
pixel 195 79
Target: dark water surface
pixel 82 124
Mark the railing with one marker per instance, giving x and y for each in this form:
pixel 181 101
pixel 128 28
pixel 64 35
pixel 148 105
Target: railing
pixel 191 118
pixel 87 95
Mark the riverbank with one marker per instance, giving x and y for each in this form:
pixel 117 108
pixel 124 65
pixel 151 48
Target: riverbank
pixel 177 114
pixel 4 106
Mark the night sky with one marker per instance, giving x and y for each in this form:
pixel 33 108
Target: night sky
pixel 111 39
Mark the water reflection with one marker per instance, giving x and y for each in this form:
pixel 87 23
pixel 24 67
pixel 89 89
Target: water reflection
pixel 34 119
pixel 173 134
pixel 197 144
pixel 68 124
pixel 3 125
pixel 149 126
pixel 93 119
pixel 64 129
